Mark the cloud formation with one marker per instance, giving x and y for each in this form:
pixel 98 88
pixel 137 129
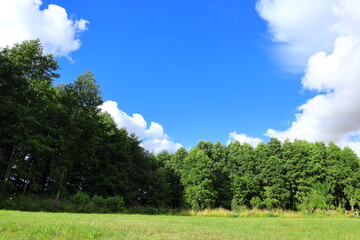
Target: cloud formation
pixel 243 138
pixel 24 20
pixel 302 27
pixel 153 137
pixel 326 34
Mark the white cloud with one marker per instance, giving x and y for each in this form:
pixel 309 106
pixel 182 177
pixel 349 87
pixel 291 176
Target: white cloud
pixel 303 27
pixel 160 144
pixel 327 34
pixel 24 20
pixel 242 138
pixel 153 137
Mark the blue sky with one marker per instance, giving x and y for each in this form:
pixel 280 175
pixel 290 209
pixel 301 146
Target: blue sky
pixel 201 70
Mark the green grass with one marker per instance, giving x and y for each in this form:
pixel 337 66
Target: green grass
pixel 39 225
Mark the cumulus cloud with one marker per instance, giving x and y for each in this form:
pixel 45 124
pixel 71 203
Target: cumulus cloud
pixel 153 137
pixel 326 33
pixel 302 27
pixel 24 20
pixel 242 138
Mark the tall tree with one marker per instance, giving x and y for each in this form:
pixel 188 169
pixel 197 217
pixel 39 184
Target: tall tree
pixel 219 155
pixel 26 76
pixel 77 120
pixel 198 178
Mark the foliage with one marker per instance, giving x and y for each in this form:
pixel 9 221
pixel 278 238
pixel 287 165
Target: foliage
pixel 80 198
pixel 115 204
pixel 55 141
pixel 319 197
pixel 197 178
pixel 99 201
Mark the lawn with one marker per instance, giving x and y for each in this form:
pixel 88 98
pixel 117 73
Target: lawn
pixel 39 225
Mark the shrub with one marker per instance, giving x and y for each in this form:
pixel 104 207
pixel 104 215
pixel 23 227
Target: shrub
pixel 256 202
pixel 271 203
pixel 99 201
pixel 90 208
pixel 20 202
pixel 236 206
pixel 80 198
pixel 149 211
pixel 115 204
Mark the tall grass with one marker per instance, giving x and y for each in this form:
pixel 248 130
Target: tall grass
pixel 98 204
pixel 259 213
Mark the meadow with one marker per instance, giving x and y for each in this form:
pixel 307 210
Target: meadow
pixel 40 225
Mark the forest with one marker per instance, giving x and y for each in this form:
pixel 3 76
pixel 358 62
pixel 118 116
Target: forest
pixel 55 143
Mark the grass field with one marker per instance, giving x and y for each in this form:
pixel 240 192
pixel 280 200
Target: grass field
pixel 38 225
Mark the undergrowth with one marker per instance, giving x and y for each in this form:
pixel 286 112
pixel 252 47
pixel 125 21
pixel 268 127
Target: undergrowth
pixel 82 204
pixel 259 213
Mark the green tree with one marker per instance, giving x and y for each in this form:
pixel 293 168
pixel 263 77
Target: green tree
pixel 77 122
pixel 175 194
pixel 197 178
pixel 222 181
pixel 319 197
pixel 244 173
pixel 26 76
pixel 176 161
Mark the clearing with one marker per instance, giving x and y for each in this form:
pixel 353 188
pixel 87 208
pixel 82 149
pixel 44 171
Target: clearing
pixel 39 225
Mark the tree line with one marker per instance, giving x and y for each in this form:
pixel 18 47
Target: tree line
pixel 292 175
pixel 55 142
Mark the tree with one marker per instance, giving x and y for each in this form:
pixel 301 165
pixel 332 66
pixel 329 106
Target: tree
pixel 197 178
pixel 175 194
pixel 319 197
pixel 77 121
pixel 110 172
pixel 26 75
pixel 219 155
pixel 277 193
pixel 176 161
pixel 245 184
pixel 352 194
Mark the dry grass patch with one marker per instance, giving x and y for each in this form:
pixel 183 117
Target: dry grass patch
pixel 258 213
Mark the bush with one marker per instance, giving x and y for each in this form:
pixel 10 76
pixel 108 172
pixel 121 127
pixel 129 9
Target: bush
pixel 271 203
pixel 99 201
pixel 80 198
pixel 256 202
pixel 149 211
pixel 236 206
pixel 20 202
pixel 91 208
pixel 25 203
pixel 115 204
pixel 79 202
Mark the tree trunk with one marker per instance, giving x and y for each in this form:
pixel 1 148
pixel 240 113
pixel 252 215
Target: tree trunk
pixel 25 188
pixel 59 187
pixel 57 194
pixel 10 165
pixel 8 171
pixel 327 206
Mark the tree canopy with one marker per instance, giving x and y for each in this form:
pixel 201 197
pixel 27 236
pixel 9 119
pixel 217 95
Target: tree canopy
pixel 55 142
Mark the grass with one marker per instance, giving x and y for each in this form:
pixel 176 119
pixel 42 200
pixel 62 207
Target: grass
pixel 39 225
pixel 246 213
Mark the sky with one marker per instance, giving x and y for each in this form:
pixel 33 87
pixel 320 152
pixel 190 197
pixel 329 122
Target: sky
pixel 177 72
